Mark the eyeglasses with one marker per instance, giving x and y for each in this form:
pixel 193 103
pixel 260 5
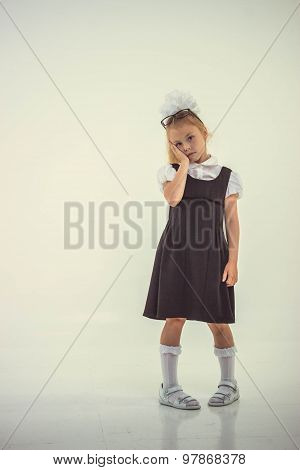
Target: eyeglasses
pixel 179 115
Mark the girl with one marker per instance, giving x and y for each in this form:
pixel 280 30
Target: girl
pixel 195 267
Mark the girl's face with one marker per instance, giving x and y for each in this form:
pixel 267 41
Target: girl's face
pixel 189 140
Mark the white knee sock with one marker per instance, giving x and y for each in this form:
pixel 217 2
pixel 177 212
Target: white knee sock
pixel 226 358
pixel 169 360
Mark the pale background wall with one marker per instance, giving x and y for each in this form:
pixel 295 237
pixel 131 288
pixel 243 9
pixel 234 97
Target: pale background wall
pixel 80 122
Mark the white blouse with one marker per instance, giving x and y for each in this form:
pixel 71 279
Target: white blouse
pixel 207 170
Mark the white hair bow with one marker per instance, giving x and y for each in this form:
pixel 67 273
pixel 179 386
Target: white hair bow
pixel 177 100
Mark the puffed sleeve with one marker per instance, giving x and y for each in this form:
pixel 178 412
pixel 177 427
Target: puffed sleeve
pixel 235 185
pixel 165 173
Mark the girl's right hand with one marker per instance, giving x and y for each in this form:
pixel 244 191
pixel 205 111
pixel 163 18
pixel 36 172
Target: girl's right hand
pixel 179 155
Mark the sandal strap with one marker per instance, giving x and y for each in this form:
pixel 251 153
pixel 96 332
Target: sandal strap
pixel 175 388
pixel 228 383
pixel 214 397
pixel 186 399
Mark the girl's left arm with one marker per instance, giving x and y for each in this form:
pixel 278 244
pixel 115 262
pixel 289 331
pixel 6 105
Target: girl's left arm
pixel 233 236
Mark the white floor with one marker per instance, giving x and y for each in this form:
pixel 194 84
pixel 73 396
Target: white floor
pixel 104 394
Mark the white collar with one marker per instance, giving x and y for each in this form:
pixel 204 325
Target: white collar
pixel 212 160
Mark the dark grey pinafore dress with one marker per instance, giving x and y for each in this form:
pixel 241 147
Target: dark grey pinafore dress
pixel 191 255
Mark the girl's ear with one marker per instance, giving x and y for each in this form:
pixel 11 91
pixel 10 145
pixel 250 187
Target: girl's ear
pixel 208 135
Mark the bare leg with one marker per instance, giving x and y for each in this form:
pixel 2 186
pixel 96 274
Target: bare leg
pixel 172 330
pixel 222 335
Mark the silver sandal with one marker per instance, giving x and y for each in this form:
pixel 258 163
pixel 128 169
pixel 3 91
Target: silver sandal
pixel 181 400
pixel 220 398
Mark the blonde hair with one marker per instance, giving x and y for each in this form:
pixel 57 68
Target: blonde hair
pixel 189 119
